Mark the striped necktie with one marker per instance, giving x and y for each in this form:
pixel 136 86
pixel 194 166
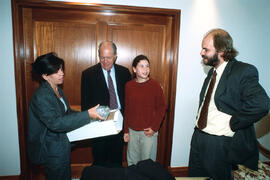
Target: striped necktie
pixel 202 122
pixel 113 100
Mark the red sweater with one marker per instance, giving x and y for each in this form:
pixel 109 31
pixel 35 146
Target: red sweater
pixel 144 105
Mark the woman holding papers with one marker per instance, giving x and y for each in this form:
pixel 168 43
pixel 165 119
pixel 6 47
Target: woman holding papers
pixel 50 118
pixel 144 111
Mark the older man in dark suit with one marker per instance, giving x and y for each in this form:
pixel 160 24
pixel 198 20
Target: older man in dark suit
pixel 105 83
pixel 231 101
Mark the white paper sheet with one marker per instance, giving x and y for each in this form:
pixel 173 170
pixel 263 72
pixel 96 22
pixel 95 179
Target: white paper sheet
pixel 98 128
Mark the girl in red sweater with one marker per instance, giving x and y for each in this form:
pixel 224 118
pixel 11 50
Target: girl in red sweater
pixel 144 111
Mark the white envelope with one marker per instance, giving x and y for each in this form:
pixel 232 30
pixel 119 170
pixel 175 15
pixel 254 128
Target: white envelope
pixel 98 128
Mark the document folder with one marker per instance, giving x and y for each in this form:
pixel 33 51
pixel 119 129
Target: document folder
pixel 112 125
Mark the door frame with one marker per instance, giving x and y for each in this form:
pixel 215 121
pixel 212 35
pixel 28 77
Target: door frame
pixel 20 51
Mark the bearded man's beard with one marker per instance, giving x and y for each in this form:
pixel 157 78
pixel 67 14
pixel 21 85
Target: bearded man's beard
pixel 211 61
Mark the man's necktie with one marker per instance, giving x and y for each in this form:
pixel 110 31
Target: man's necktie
pixel 113 100
pixel 204 111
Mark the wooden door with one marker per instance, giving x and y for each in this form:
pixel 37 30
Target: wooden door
pixel 74 32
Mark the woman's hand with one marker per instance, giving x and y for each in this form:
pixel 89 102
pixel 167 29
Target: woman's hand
pixel 149 132
pixel 93 113
pixel 126 137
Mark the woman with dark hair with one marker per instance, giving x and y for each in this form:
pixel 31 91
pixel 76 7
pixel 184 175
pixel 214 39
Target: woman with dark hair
pixel 50 118
pixel 144 110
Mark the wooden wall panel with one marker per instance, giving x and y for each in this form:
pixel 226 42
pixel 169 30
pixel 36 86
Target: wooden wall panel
pixel 43 40
pixel 73 42
pixel 133 40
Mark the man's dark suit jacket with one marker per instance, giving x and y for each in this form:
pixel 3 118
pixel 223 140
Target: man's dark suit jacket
pixel 94 89
pixel 240 95
pixel 47 126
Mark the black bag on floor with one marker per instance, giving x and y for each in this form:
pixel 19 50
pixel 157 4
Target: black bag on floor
pixel 143 170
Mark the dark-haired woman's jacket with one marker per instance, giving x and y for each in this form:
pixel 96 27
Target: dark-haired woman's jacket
pixel 48 124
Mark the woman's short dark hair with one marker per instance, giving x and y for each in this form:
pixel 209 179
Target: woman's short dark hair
pixel 47 64
pixel 223 43
pixel 137 59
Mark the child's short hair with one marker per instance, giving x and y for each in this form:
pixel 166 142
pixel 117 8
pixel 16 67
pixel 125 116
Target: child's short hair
pixel 138 58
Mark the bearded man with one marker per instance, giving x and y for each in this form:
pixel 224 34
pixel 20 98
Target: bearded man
pixel 231 101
